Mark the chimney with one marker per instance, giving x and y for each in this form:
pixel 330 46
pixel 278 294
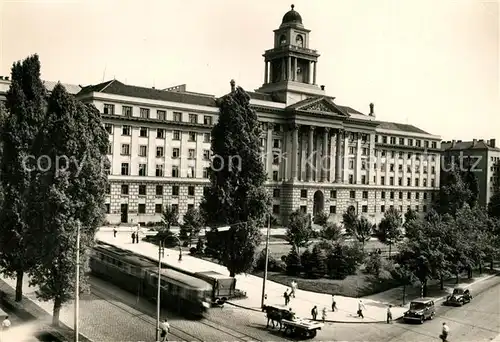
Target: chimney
pixel 453 143
pixel 474 142
pixel 233 83
pixel 372 112
pixel 492 142
pixel 322 87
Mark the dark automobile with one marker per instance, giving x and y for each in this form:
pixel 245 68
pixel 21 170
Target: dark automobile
pixel 420 310
pixel 460 296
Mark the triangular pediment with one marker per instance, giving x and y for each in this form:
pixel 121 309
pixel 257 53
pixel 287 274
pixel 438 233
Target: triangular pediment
pixel 320 105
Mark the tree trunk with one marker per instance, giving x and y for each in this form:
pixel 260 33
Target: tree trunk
pixel 425 289
pixel 480 268
pixel 457 276
pixel 469 272
pixel 491 264
pixel 441 283
pixel 56 311
pixel 19 286
pixel 404 294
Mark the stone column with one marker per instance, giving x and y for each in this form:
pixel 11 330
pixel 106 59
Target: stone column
pixel 294 74
pixel 338 159
pixel 266 72
pixel 324 156
pixel 283 70
pixel 269 151
pixel 357 169
pixel 309 160
pixel 295 150
pixel 331 168
pixel 289 75
pixel 314 73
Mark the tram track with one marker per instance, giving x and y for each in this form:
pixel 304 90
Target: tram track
pixel 147 317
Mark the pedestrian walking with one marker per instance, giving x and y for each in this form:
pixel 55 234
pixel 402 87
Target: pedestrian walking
pixel 164 327
pixel 114 232
pixel 6 323
pixel 287 297
pixel 294 287
pixel 334 304
pixel 361 307
pixel 389 314
pixel 133 237
pixel 314 312
pixel 323 314
pixel 444 333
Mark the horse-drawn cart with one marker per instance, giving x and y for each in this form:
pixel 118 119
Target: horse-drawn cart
pixel 291 325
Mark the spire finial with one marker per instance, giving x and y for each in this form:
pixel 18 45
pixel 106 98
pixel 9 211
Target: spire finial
pixel 293 6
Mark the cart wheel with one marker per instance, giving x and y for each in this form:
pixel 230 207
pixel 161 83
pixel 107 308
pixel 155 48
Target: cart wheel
pixel 288 331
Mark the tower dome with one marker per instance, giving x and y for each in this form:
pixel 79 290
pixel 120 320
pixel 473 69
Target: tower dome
pixel 292 17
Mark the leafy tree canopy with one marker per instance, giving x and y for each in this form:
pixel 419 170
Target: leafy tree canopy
pixel 193 222
pixel 299 231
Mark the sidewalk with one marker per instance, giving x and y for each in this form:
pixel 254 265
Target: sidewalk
pixel 376 305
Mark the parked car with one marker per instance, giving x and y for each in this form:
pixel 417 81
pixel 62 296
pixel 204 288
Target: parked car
pixel 420 310
pixel 459 296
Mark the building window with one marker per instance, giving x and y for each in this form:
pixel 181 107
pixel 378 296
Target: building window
pixel 158 208
pixel 276 143
pixel 205 172
pixel 159 172
pixel 144 113
pixel 364 208
pixel 159 190
pixel 190 172
pixel 275 176
pixel 401 195
pixel 434 144
pixel 417 181
pixel 351 164
pixel 125 130
pixel 424 208
pixel 382 195
pixel 352 150
pixel 433 170
pixel 417 208
pixel 143 132
pixel 352 194
pixel 363 164
pixel 418 143
pixel 277 128
pixel 159 152
pixel 177 117
pixel 108 208
pixel 382 180
pixel 175 208
pixel 400 181
pixel 410 142
pixel 391 180
pixel 408 195
pixel 191 190
pixel 206 137
pixel 276 209
pixel 432 182
pixel 124 189
pixel 363 179
pixel 401 141
pixel 175 171
pixel 125 149
pixel 391 167
pixel 193 118
pixel 206 154
pixel 110 149
pixel 351 179
pixel 426 144
pixel 365 194
pixel 127 111
pixel 303 209
pixel 303 193
pixel 176 152
pixel 408 181
pixel 142 170
pixel 191 153
pixel 393 140
pixel 160 133
pixel 175 190
pixel 109 109
pixel 276 193
pixel 384 139
pixel 142 190
pixel 109 128
pixel 333 193
pixel 161 115
pixel 276 158
pixel 417 195
pixel 192 136
pixel 333 209
pixel 108 189
pixel 125 169
pixel 176 135
pixel 207 120
pixel 391 195
pixel 382 208
pixel 141 208
pixel 143 150
pixel 424 181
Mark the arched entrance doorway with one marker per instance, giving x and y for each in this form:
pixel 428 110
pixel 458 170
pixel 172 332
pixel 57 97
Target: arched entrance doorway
pixel 319 202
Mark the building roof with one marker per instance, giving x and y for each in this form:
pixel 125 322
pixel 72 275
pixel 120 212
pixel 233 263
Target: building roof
pixel 70 88
pixel 400 127
pixel 467 145
pixel 116 87
pixel 292 17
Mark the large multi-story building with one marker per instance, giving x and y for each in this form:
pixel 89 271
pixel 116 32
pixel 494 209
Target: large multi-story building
pixel 482 157
pixel 319 155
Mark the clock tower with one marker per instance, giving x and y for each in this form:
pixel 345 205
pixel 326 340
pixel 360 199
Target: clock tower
pixel 290 67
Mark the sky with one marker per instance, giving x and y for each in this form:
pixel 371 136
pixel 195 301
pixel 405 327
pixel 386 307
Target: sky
pixel 430 63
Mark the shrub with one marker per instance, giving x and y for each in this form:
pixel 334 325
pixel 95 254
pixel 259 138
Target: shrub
pixel 273 264
pixel 185 243
pixel 193 250
pixel 293 263
pixel 373 265
pixel 305 260
pixel 200 246
pixel 344 260
pixel 321 218
pixel 166 236
pixel 331 232
pixel 317 263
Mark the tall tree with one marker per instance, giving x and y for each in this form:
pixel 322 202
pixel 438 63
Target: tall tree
pixel 410 215
pixel 331 232
pixel 389 229
pixel 193 222
pixel 350 220
pixel 68 192
pixel 453 193
pixel 494 205
pixel 358 228
pixel 237 196
pixel 25 104
pixel 170 217
pixel 299 231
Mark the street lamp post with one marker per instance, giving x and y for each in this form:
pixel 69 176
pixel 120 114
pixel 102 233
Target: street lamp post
pixel 161 252
pixel 265 265
pixel 180 247
pixel 77 283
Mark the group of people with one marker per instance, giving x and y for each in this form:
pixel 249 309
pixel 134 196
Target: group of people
pixel 287 295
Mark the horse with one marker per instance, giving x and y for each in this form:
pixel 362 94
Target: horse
pixel 274 316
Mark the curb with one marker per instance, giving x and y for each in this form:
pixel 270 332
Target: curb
pixel 372 322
